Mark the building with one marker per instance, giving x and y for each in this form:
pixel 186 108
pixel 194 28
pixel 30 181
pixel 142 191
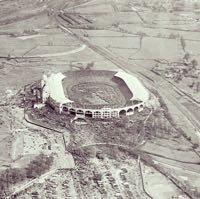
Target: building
pixel 53 94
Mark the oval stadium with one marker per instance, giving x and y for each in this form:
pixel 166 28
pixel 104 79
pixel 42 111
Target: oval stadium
pixel 94 93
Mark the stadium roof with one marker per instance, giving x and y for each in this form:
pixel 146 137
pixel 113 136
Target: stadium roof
pixel 139 92
pixel 54 84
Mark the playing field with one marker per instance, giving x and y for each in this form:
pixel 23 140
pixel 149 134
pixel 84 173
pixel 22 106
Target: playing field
pixel 96 89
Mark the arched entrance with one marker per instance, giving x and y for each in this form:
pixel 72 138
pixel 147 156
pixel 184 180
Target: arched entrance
pixel 130 111
pixel 122 113
pixel 88 114
pixel 65 109
pixel 136 109
pixel 72 111
pixel 80 112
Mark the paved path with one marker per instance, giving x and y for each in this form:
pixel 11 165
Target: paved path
pixel 58 54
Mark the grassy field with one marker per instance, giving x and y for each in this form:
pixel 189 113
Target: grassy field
pixel 116 42
pixel 150 179
pixel 5 148
pixel 98 88
pixel 161 32
pixel 6 137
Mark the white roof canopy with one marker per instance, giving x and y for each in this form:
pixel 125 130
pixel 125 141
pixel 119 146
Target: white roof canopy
pixel 55 88
pixel 139 92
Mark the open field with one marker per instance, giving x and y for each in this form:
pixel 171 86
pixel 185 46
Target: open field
pixel 107 33
pixel 5 154
pixel 192 108
pixel 150 180
pixel 6 136
pixel 161 32
pixel 39 43
pixel 98 88
pixel 153 48
pixel 187 176
pixel 116 42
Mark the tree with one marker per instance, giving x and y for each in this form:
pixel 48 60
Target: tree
pixel 195 146
pixel 15 175
pixel 8 57
pixel 89 66
pixel 196 6
pixel 194 63
pixel 116 25
pixel 141 34
pixel 186 56
pixel 197 87
pixel 38 166
pixel 10 176
pixel 121 123
pixel 173 36
pixel 183 44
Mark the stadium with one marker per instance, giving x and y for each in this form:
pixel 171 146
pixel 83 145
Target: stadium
pixel 94 93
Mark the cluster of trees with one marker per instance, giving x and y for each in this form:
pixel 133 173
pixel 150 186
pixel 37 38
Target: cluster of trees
pixel 38 166
pixel 125 31
pixel 11 176
pixel 192 63
pixel 34 169
pixel 29 32
pixel 121 123
pixel 168 116
pixel 158 8
pixel 164 107
pixel 183 43
pixel 174 36
pixel 159 127
pixel 191 71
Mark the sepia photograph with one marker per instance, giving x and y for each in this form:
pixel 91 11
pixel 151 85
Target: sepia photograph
pixel 100 99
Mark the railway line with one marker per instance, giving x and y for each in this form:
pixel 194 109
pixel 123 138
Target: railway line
pixel 177 167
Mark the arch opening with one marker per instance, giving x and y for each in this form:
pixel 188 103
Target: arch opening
pixel 80 112
pixel 72 111
pixel 122 113
pixel 88 113
pixel 130 111
pixel 136 109
pixel 64 109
